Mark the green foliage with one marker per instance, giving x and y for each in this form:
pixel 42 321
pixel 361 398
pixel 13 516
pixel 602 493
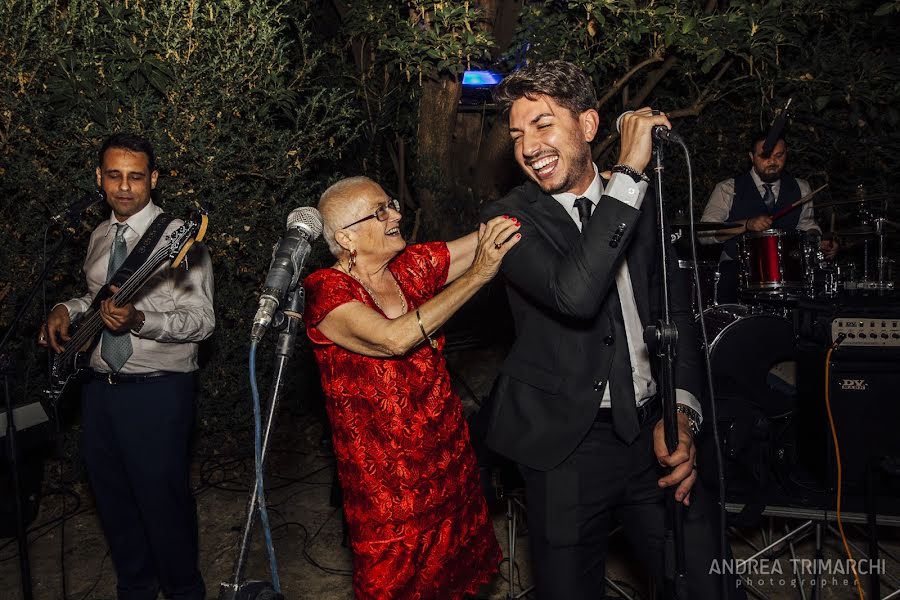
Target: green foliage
pixel 420 38
pixel 227 92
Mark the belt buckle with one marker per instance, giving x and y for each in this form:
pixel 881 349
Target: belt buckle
pixel 109 378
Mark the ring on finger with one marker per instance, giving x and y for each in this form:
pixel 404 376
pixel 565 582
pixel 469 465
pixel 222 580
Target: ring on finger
pixel 655 112
pixel 497 245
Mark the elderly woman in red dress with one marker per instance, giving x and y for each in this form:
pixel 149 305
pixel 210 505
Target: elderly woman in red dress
pixel 419 525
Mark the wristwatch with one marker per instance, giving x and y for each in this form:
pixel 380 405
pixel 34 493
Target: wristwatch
pixel 693 417
pixel 137 328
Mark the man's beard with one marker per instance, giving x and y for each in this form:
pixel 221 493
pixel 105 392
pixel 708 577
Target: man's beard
pixel 572 174
pixel 770 177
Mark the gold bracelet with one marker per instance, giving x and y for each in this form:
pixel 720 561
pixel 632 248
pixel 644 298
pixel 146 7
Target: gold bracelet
pixel 425 335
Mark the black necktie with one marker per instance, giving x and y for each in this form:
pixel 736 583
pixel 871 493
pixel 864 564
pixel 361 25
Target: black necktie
pixel 621 382
pixel 584 206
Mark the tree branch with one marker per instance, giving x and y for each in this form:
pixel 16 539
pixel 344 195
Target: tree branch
pixel 620 82
pixel 693 110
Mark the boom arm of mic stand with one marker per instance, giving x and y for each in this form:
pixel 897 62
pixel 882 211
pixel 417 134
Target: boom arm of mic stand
pixel 289 325
pixel 666 335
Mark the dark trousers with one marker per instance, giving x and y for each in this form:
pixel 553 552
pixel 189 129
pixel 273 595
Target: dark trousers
pixel 135 443
pixel 570 509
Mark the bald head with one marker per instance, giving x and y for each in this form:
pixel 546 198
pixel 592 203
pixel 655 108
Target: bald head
pixel 343 203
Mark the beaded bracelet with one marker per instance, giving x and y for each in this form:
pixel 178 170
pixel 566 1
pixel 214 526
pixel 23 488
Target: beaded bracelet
pixel 425 335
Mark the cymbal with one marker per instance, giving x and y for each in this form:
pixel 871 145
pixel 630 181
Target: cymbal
pixel 706 225
pixel 856 230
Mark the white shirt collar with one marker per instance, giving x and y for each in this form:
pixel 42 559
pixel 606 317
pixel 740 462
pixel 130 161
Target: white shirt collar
pixel 592 193
pixel 139 222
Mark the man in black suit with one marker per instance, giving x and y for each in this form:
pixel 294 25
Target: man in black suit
pixel 576 404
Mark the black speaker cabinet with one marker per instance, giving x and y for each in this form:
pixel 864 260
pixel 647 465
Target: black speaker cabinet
pixel 864 387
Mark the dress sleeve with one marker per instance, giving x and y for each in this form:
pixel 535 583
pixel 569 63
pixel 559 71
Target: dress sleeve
pixel 326 289
pixel 425 266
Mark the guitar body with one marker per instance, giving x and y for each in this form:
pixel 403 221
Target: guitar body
pixel 66 370
pixel 84 337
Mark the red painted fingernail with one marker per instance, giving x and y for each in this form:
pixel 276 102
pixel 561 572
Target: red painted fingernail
pixel 518 235
pixel 505 217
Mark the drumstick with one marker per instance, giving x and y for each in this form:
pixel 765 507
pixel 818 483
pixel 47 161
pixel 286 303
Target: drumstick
pixel 802 200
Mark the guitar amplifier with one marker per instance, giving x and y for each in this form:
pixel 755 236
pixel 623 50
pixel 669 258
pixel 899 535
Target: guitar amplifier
pixel 863 380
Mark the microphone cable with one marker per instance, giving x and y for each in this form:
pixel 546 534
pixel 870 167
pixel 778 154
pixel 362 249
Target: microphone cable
pixel 260 489
pixel 720 471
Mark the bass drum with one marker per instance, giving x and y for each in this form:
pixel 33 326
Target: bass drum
pixel 753 358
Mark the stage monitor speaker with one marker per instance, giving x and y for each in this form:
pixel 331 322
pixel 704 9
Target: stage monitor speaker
pixel 863 387
pixel 32 447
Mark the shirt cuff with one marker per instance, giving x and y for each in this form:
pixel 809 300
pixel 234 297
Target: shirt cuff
pixel 625 190
pixel 154 322
pixel 689 400
pixel 74 307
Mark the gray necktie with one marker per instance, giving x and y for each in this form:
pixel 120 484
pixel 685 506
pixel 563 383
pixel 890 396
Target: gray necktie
pixel 769 197
pixel 115 348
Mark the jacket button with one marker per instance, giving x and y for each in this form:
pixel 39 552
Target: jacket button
pixel 598 385
pixel 614 244
pixel 608 340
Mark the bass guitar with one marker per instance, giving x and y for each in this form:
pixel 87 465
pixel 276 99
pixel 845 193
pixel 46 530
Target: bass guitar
pixel 75 356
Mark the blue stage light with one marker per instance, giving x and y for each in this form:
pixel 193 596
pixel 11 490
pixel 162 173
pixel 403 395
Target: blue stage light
pixel 481 78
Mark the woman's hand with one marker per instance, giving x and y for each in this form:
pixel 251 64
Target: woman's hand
pixel 495 238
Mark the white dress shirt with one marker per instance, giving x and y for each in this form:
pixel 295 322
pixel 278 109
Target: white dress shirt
pixel 177 303
pixel 624 189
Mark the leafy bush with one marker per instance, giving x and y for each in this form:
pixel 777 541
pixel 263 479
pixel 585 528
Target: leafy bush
pixel 226 90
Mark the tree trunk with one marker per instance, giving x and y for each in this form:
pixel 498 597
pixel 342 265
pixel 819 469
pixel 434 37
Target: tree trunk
pixel 434 180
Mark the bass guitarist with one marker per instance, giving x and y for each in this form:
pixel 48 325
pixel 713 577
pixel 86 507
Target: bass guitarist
pixel 138 405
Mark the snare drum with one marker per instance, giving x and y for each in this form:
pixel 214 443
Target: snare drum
pixel 753 358
pixel 775 262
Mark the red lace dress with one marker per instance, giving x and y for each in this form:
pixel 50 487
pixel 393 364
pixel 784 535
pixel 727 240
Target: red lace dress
pixel 419 525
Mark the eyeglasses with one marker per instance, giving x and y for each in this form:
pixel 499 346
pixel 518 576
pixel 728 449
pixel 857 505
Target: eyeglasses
pixel 381 213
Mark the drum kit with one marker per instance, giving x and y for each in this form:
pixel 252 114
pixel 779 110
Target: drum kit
pixel 752 343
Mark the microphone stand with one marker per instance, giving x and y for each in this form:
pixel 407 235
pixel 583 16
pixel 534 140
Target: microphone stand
pixel 7 370
pixel 661 339
pixel 288 322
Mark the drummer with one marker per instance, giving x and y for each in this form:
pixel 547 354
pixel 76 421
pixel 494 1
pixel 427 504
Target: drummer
pixel 751 199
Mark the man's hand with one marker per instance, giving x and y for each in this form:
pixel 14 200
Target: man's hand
pixel 760 223
pixel 829 248
pixel 637 143
pixel 56 329
pixel 682 461
pixel 119 318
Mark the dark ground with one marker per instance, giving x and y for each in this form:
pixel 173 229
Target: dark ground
pixel 312 561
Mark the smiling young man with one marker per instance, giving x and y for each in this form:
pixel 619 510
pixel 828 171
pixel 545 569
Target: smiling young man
pixel 576 403
pixel 138 407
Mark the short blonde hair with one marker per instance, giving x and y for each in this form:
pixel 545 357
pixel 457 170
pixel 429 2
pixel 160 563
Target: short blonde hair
pixel 340 204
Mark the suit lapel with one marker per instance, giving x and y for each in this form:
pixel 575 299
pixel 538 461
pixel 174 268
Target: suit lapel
pixel 551 219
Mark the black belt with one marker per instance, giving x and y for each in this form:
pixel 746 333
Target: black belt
pixel 117 378
pixel 650 409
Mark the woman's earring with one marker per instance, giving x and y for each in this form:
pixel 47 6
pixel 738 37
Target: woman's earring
pixel 351 261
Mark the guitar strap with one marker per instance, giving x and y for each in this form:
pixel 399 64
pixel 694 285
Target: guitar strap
pixel 136 257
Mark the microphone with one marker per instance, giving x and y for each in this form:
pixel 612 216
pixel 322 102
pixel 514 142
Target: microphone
pixel 76 208
pixel 304 225
pixel 775 131
pixel 659 132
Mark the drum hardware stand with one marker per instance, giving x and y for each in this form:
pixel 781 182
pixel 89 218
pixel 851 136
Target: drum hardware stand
pixel 288 322
pixel 661 339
